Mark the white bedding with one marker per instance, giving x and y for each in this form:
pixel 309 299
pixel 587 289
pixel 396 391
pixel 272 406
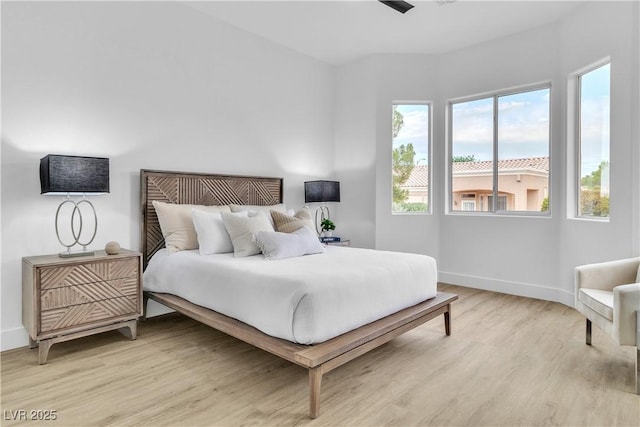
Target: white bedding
pixel 307 299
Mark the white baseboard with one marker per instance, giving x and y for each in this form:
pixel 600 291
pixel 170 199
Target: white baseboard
pixel 506 287
pixel 13 338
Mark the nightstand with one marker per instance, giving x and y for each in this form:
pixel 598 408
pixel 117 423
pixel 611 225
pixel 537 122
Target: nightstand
pixel 68 298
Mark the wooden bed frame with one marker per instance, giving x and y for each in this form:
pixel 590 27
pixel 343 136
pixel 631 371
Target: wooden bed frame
pixel 207 189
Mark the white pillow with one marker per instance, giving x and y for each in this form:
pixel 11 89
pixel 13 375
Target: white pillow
pixel 176 223
pixel 213 237
pixel 276 245
pixel 241 229
pixel 259 208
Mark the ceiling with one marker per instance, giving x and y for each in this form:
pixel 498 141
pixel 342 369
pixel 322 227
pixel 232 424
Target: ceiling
pixel 337 32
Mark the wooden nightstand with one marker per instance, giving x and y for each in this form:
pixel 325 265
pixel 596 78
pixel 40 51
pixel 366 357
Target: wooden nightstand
pixel 68 298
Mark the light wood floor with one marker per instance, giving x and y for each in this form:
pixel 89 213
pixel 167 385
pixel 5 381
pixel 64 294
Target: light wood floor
pixel 510 361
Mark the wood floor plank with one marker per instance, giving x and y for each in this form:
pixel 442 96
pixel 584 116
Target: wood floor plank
pixel 510 361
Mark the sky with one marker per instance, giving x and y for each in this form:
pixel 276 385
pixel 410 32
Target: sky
pixel 523 124
pixel 415 130
pixel 594 108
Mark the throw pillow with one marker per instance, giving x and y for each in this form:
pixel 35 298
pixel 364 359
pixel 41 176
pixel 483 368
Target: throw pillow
pixel 289 223
pixel 259 208
pixel 241 229
pixel 176 223
pixel 275 245
pixel 213 237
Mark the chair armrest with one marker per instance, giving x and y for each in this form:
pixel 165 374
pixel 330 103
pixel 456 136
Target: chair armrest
pixel 606 275
pixel 626 303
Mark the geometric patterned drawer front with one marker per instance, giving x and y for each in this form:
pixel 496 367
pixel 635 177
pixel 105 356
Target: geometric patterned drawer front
pixel 75 315
pixel 88 292
pixel 59 276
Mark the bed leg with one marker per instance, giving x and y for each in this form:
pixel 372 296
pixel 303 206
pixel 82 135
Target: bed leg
pixel 447 320
pixel 315 381
pixel 145 301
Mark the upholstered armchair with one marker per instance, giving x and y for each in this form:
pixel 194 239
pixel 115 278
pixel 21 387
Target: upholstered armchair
pixel 608 294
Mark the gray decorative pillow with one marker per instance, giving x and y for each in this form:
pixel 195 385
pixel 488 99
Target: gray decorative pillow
pixel 241 229
pixel 275 245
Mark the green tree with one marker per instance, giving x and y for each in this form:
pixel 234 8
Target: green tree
pixel 403 163
pixel 403 160
pixel 398 121
pixel 545 205
pixel 594 180
pixel 467 158
pixel 592 203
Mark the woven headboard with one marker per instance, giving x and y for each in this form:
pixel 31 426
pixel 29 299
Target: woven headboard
pixel 197 189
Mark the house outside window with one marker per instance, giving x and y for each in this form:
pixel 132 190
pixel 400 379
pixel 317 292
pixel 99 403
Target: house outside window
pixel 411 126
pixel 594 92
pixel 500 152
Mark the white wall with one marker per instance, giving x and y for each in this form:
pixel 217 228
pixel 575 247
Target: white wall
pixel 524 256
pixel 149 85
pixel 158 85
pixel 355 151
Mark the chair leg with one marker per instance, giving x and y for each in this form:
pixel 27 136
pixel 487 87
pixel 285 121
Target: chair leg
pixel 588 332
pixel 638 369
pixel 638 352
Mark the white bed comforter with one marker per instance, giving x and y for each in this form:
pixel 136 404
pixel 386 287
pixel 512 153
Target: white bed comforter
pixel 308 299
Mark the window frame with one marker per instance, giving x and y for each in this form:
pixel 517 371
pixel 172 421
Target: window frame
pixel 494 96
pixel 577 83
pixel 429 210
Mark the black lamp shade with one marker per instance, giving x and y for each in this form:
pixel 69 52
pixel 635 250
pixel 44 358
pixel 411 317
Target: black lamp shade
pixel 399 5
pixel 321 191
pixel 74 174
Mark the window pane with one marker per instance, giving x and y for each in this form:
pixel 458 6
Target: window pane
pixel 594 143
pixel 471 154
pixel 410 158
pixel 523 151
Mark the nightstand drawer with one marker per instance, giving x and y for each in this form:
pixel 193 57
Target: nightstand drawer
pixel 100 271
pixel 89 292
pixel 75 315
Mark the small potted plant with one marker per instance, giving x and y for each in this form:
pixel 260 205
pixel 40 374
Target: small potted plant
pixel 327 226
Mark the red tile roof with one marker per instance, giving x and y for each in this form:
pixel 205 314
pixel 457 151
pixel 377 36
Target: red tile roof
pixel 535 163
pixel 420 175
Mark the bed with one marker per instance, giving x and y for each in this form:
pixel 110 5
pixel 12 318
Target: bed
pixel 319 350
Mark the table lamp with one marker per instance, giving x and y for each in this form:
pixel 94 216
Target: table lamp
pixel 74 176
pixel 321 191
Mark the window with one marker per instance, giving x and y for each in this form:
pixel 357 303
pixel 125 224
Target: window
pixel 411 125
pixel 468 205
pixel 593 140
pixel 500 151
pixel 502 202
